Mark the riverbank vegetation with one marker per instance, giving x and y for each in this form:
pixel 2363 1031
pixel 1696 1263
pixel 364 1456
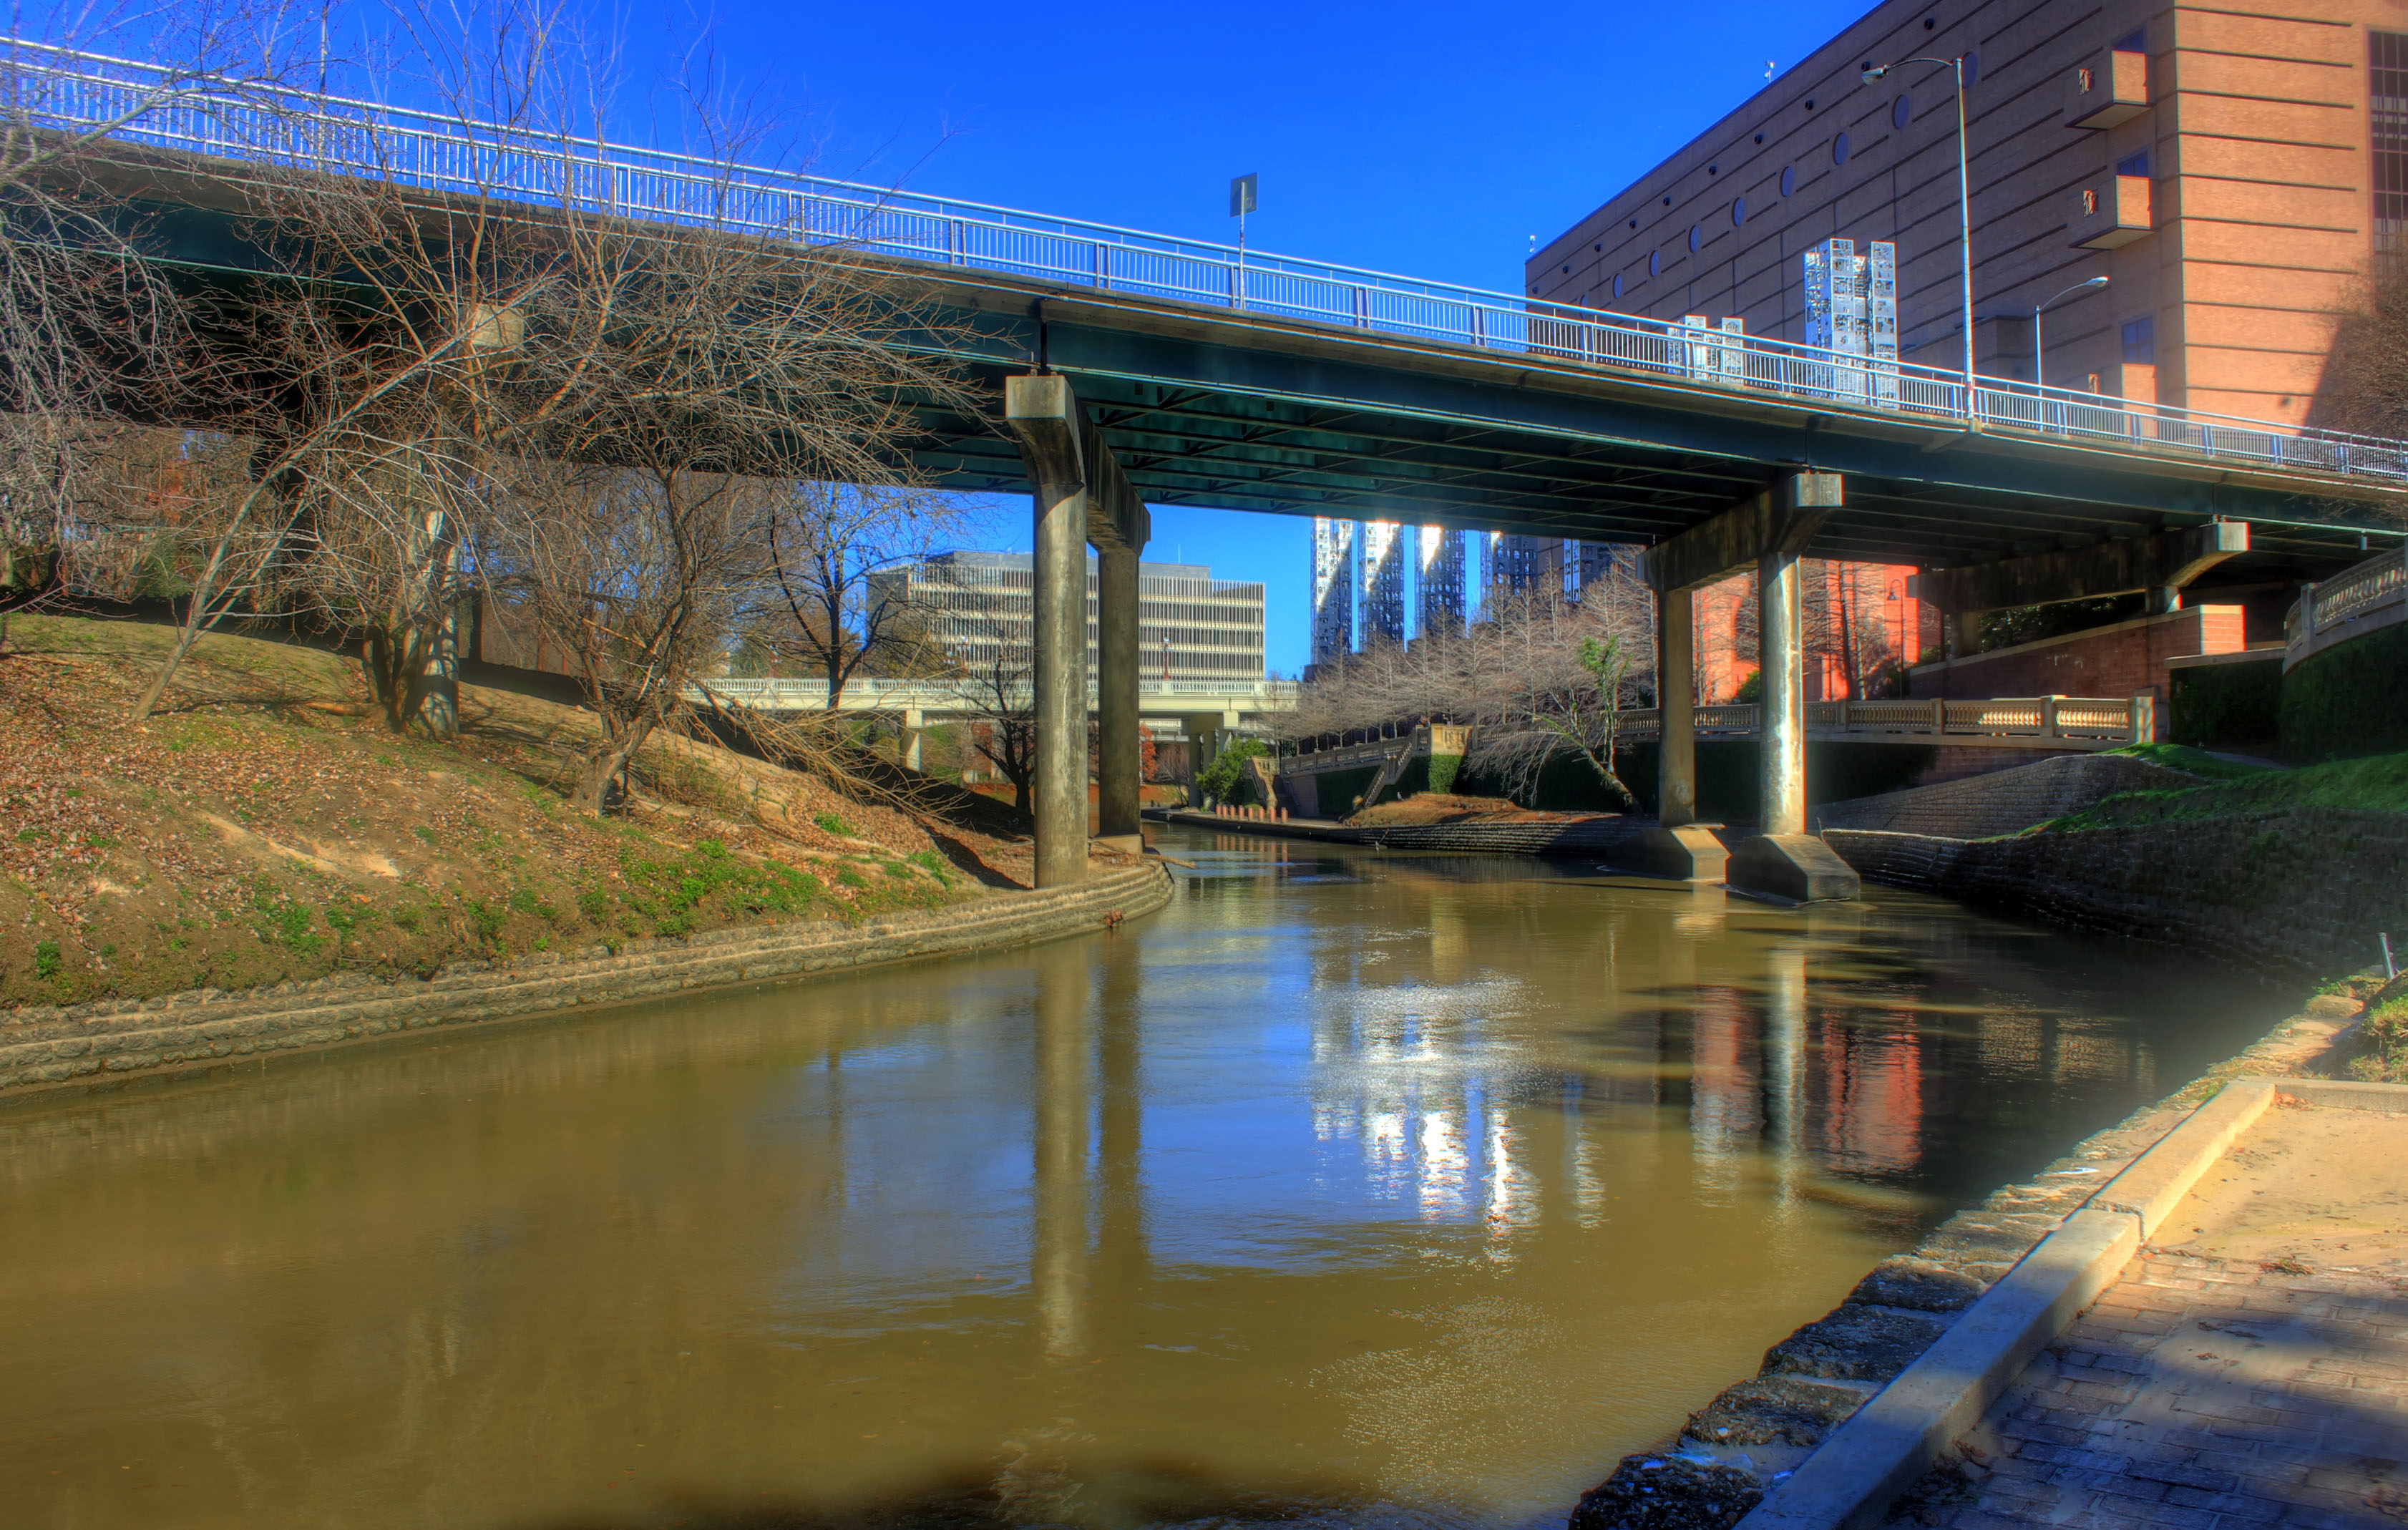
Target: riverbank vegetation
pixel 265 826
pixel 2376 784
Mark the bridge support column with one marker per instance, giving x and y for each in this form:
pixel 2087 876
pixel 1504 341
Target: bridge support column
pixel 1785 860
pixel 915 723
pixel 1676 702
pixel 1119 751
pixel 1044 415
pixel 1678 847
pixel 1769 530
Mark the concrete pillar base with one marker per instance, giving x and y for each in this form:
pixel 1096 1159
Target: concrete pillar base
pixel 1128 844
pixel 1687 854
pixel 1797 866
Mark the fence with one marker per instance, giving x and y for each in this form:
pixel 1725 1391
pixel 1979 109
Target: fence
pixel 142 104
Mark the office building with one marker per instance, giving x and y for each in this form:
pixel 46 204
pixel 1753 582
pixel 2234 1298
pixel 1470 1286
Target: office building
pixel 980 608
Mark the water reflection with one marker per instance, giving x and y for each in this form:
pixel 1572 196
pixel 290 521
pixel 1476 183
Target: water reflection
pixel 1365 1189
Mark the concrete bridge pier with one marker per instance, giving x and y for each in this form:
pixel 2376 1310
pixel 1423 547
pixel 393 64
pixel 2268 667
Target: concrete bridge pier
pixel 1769 530
pixel 915 723
pixel 1678 847
pixel 1081 496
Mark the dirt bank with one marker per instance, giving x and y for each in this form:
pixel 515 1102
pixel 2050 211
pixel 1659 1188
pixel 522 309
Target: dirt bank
pixel 263 829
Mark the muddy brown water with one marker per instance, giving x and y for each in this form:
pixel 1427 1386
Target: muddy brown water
pixel 1351 1189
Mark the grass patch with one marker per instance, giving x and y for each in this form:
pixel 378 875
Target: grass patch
pixel 830 824
pixel 2194 762
pixel 2376 785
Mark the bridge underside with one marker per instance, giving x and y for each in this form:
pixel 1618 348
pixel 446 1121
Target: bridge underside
pixel 1259 414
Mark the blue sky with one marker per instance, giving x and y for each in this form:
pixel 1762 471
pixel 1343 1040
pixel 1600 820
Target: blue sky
pixel 1431 141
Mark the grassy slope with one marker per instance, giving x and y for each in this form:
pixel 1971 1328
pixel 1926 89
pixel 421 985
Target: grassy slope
pixel 2376 784
pixel 262 828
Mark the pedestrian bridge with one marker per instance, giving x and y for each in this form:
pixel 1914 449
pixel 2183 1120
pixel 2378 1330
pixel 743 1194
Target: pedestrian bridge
pixel 1229 704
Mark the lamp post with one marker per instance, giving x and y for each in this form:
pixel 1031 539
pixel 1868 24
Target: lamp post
pixel 2040 352
pixel 1964 210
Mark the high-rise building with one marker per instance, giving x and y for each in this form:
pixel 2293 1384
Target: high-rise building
pixel 1437 584
pixel 1384 557
pixel 1335 554
pixel 1524 564
pixel 980 608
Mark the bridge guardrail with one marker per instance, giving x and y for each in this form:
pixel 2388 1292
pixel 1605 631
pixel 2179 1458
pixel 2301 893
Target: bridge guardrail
pixel 2360 598
pixel 870 695
pixel 2079 722
pixel 73 89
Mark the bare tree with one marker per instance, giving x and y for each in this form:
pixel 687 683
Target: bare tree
pixel 91 334
pixel 2365 383
pixel 999 696
pixel 839 552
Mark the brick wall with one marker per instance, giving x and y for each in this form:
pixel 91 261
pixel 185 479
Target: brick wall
pixel 2125 659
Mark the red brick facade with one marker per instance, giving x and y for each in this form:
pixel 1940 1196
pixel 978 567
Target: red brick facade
pixel 2127 659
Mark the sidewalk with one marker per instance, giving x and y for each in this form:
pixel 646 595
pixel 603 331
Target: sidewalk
pixel 2249 1369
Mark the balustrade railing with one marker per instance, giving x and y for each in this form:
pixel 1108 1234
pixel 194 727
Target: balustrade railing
pixel 139 103
pixel 2085 721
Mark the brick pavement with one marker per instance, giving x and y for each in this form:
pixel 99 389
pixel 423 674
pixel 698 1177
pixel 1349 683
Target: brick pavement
pixel 2198 1393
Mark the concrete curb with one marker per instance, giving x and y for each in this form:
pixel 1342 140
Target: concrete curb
pixel 1852 1478
pixel 103 1044
pixel 2348 1094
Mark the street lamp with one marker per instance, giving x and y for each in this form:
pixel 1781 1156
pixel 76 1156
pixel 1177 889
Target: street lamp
pixel 1964 208
pixel 2040 352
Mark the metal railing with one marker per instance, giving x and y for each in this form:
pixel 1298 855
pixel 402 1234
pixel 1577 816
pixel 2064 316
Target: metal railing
pixel 139 103
pixel 807 694
pixel 2076 722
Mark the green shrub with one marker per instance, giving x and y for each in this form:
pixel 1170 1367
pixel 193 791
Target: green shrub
pixel 830 824
pixel 2347 701
pixel 1228 778
pixel 46 959
pixel 2225 705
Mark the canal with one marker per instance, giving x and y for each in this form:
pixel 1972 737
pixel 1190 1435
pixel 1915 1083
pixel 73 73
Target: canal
pixel 1351 1189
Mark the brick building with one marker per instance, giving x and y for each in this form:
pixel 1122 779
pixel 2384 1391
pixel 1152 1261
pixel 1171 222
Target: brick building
pixel 2233 175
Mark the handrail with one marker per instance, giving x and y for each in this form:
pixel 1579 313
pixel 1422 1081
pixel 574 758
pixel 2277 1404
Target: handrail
pixel 427 149
pixel 2360 591
pixel 2085 721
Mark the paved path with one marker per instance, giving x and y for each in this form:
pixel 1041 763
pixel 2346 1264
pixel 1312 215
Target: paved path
pixel 2255 1376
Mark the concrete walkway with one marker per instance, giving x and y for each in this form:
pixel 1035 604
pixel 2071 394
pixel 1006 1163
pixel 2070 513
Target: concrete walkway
pixel 2250 1369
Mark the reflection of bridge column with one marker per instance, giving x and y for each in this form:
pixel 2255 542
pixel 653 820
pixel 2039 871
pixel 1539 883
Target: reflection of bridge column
pixel 1784 1061
pixel 1058 1234
pixel 1120 1229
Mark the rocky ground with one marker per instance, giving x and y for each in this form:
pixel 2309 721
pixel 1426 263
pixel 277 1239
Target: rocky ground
pixel 263 827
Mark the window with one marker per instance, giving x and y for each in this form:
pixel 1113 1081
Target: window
pixel 1654 262
pixel 1839 150
pixel 2388 109
pixel 1901 112
pixel 1617 286
pixel 1972 67
pixel 2141 343
pixel 2133 164
pixel 1788 178
pixel 1739 210
pixel 1697 237
pixel 2134 41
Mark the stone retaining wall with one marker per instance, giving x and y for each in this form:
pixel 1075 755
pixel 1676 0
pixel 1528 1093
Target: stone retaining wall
pixel 2006 800
pixel 89 1042
pixel 1755 1432
pixel 2303 892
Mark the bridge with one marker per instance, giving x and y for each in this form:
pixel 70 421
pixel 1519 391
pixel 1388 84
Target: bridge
pixel 1201 710
pixel 1137 368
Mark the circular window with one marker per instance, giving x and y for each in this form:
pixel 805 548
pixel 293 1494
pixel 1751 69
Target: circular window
pixel 1972 67
pixel 1697 237
pixel 1654 262
pixel 1617 286
pixel 1901 113
pixel 1760 138
pixel 1739 210
pixel 1839 150
pixel 1809 102
pixel 1788 178
pixel 1668 201
pixel 1634 223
